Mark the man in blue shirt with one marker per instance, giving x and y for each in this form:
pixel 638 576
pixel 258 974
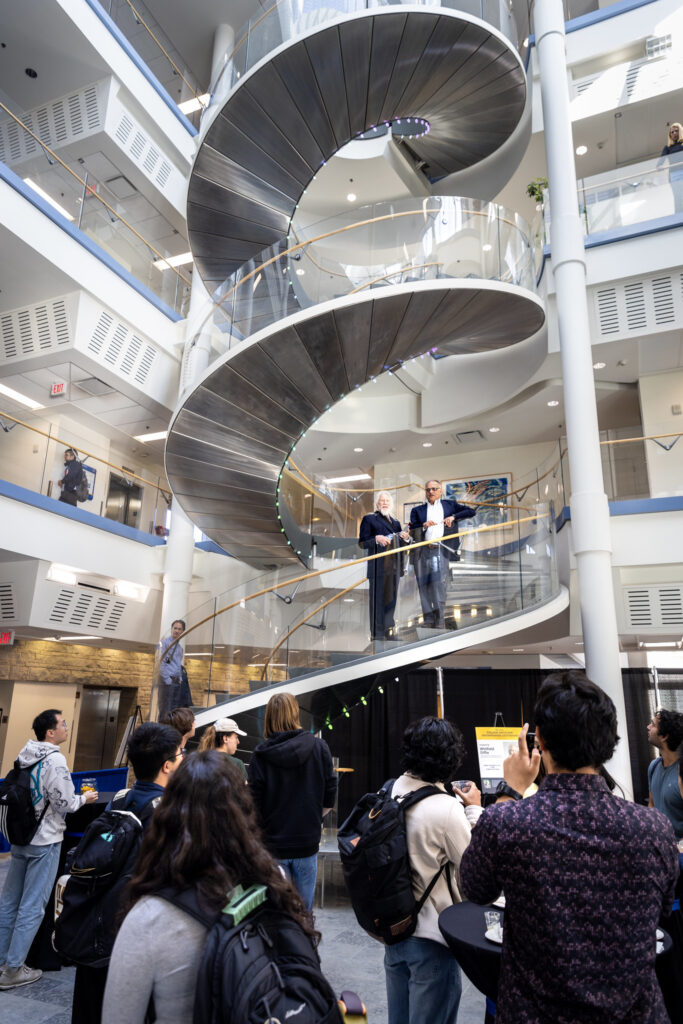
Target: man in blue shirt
pixel 170 669
pixel 665 732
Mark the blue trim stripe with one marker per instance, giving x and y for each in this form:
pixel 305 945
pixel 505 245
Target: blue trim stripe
pixel 638 506
pixel 13 491
pixel 79 236
pixel 646 227
pixel 613 11
pixel 118 35
pixel 211 546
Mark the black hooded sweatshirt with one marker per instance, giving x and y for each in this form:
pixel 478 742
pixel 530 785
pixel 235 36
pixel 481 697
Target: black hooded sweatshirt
pixel 291 778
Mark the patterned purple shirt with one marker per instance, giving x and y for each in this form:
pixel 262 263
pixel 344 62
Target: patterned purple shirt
pixel 586 876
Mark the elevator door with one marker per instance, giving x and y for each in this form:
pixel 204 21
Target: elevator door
pixel 96 746
pixel 124 501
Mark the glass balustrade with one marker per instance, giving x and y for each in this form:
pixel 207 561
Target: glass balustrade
pixel 287 624
pixel 281 21
pixel 406 241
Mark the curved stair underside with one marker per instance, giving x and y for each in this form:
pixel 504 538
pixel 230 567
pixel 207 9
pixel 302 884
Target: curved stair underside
pixel 300 105
pixel 231 436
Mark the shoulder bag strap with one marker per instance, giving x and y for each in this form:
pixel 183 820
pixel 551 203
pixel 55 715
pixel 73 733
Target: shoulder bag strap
pixel 186 899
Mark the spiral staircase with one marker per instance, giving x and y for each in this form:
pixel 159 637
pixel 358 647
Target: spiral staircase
pixel 276 124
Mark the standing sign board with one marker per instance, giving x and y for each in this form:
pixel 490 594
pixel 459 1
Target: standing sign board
pixel 493 746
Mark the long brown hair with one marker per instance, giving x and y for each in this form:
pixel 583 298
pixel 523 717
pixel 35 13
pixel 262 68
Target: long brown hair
pixel 211 740
pixel 282 714
pixel 204 834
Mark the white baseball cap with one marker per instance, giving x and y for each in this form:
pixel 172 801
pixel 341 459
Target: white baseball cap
pixel 228 725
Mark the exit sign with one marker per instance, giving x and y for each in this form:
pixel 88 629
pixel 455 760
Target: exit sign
pixel 57 389
pixel 6 637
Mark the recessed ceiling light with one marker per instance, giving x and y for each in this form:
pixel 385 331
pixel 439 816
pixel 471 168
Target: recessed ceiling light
pixel 426 444
pixel 351 196
pixel 300 271
pixel 486 248
pixel 159 436
pixel 517 649
pixel 581 150
pixel 173 261
pixel 599 366
pixel 553 402
pixel 358 449
pixel 21 399
pixel 48 199
pixel 494 430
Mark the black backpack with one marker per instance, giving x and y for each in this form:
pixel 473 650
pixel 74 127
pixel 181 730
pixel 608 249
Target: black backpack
pixel 18 821
pixel 374 855
pixel 98 869
pixel 257 964
pixel 83 486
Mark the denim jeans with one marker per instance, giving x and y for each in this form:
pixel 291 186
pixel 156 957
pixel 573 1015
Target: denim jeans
pixel 31 875
pixel 423 982
pixel 303 871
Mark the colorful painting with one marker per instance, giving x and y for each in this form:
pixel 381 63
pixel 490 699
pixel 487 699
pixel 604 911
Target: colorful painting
pixel 487 492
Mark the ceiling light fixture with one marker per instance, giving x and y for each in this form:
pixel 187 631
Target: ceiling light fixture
pixel 347 479
pixel 486 248
pixel 599 366
pixel 172 261
pixel 62 574
pixel 48 199
pixel 351 196
pixel 659 644
pixel 494 430
pixel 553 402
pixel 300 271
pixel 21 399
pixel 160 435
pixel 358 449
pixel 426 444
pixel 581 150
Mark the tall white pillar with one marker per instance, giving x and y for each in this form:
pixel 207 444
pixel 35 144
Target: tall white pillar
pixel 588 502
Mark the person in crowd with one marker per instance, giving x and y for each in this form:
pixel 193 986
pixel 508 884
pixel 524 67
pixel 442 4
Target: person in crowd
pixel 435 521
pixel 159 947
pixel 586 874
pixel 378 532
pixel 665 732
pixel 672 154
pixel 73 471
pixel 154 753
pixel 294 785
pixel 422 976
pixel 170 669
pixel 181 719
pixel 33 868
pixel 225 735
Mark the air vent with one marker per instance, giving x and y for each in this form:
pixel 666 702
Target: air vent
pixel 61 605
pixel 80 609
pixel 662 293
pixel 657 46
pixel 56 124
pixel 608 314
pixel 94 386
pixel 658 607
pixel 468 436
pixel 125 127
pixel 145 364
pixel 115 616
pixel 7 610
pixel 639 307
pixel 39 328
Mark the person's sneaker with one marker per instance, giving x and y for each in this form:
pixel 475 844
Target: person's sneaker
pixel 13 977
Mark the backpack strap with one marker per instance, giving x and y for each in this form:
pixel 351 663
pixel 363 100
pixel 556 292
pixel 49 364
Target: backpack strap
pixel 409 801
pixel 187 900
pixel 41 796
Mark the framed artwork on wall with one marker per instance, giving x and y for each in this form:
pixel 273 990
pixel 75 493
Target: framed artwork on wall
pixel 490 490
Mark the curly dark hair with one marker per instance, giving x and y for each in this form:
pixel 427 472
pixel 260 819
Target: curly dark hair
pixel 670 727
pixel 576 719
pixel 433 749
pixel 204 834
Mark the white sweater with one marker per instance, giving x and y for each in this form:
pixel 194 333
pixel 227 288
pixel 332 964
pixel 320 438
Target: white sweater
pixel 439 830
pixel 50 779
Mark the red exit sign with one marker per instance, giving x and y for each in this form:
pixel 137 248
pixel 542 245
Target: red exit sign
pixel 6 637
pixel 57 389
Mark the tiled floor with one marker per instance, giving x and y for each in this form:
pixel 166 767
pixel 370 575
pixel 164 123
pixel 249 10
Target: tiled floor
pixel 350 959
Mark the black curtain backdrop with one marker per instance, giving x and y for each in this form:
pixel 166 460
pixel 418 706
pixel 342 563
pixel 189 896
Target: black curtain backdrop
pixel 369 739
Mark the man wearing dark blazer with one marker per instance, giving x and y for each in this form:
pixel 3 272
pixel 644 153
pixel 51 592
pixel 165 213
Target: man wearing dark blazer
pixel 435 521
pixel 379 531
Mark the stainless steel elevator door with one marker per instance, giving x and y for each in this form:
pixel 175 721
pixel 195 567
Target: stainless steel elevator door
pixel 96 745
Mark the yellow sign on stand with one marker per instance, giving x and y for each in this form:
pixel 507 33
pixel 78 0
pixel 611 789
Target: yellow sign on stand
pixel 493 746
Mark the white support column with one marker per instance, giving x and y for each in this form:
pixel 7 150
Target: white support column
pixel 178 571
pixel 589 508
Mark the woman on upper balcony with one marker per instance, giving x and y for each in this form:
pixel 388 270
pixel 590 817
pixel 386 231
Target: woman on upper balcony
pixel 674 152
pixel 379 531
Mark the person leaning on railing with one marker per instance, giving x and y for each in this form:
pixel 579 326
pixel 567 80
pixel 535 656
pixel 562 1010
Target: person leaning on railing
pixel 378 531
pixel 673 155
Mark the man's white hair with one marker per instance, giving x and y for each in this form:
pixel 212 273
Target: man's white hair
pixel 384 494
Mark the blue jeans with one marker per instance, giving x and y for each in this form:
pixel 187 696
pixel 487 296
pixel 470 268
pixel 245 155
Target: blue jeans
pixel 303 871
pixel 423 982
pixel 31 875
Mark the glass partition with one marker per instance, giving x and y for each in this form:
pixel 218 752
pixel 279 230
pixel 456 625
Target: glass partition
pixel 290 623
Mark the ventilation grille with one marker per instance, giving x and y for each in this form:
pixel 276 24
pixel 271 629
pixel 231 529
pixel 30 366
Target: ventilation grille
pixel 40 328
pixel 658 607
pixel 7 610
pixel 117 346
pixel 87 611
pixel 637 80
pixel 56 124
pixel 639 307
pixel 143 151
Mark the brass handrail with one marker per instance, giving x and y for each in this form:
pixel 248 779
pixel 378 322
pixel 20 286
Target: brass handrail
pixel 167 55
pixel 88 455
pixel 94 194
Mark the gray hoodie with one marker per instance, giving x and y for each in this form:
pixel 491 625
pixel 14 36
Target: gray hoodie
pixel 50 780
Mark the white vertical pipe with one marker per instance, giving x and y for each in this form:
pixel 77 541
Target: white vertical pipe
pixel 589 508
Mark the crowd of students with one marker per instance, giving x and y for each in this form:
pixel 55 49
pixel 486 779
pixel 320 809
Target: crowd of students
pixel 587 876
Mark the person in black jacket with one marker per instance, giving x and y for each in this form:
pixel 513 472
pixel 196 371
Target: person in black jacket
pixel 672 154
pixel 73 471
pixel 293 784
pixel 378 532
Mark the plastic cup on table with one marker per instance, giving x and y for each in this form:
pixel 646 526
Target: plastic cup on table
pixel 89 784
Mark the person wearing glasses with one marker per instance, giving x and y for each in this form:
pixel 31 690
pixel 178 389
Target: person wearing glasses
pixel 33 868
pixel 155 752
pixel 436 521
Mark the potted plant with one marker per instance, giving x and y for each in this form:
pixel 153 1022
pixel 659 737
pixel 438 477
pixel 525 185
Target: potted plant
pixel 535 190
